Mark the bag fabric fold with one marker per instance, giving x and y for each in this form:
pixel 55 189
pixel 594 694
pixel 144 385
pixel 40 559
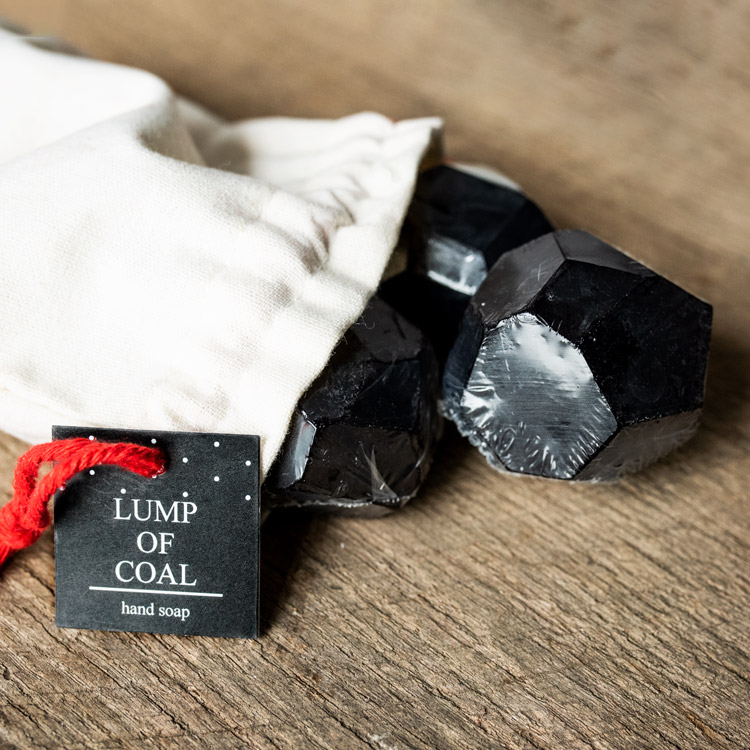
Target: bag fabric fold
pixel 165 269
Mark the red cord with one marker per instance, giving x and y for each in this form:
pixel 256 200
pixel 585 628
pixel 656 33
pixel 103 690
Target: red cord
pixel 25 517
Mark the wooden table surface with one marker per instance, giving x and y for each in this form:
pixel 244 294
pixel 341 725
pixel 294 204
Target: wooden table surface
pixel 492 611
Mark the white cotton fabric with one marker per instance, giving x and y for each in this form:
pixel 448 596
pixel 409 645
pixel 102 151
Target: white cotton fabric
pixel 164 269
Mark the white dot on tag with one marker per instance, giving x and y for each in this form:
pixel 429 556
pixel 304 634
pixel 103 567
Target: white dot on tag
pixel 248 463
pixel 185 494
pixel 217 444
pixel 153 441
pixel 123 491
pixel 184 459
pixel 216 479
pixel 248 497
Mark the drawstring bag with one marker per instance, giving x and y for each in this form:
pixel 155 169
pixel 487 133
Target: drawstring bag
pixel 164 269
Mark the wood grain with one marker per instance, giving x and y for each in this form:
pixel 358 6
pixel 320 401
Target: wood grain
pixel 492 611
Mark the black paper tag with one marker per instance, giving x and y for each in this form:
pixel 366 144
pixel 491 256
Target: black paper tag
pixel 178 553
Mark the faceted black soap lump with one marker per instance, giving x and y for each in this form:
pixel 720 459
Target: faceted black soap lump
pixel 363 435
pixel 576 362
pixel 458 224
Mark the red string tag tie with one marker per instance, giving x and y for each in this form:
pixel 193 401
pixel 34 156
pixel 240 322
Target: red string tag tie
pixel 26 516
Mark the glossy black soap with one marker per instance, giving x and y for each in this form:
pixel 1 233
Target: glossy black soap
pixel 457 226
pixel 362 437
pixel 576 362
pixel 435 309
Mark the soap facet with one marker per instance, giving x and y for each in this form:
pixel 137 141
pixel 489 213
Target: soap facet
pixel 576 362
pixel 362 437
pixel 458 224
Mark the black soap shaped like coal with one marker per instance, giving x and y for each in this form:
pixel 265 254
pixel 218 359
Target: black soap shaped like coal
pixel 435 309
pixel 576 362
pixel 362 437
pixel 458 225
